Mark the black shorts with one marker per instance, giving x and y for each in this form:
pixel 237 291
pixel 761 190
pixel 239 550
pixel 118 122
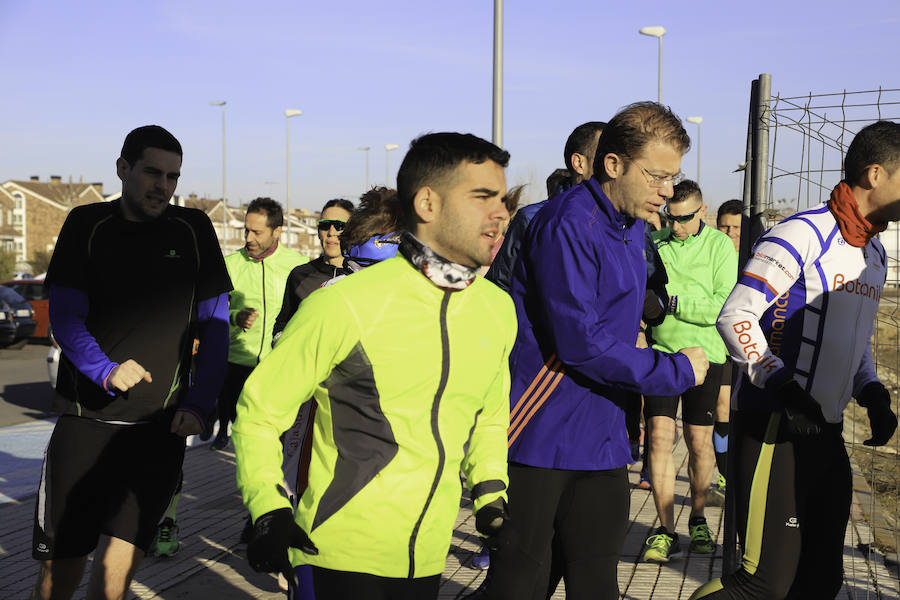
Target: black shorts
pixel 698 404
pixel 101 478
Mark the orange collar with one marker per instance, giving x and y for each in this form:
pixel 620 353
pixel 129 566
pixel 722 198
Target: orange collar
pixel 855 228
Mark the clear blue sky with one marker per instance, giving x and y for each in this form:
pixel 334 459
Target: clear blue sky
pixel 80 75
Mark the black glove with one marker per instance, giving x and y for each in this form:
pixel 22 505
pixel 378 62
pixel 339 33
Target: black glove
pixel 273 533
pixel 875 398
pixel 489 522
pixel 803 413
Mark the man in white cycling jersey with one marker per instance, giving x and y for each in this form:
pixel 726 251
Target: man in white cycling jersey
pixel 798 324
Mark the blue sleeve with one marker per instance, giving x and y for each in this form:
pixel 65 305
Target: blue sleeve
pixel 212 354
pixel 68 313
pixel 501 269
pixel 566 271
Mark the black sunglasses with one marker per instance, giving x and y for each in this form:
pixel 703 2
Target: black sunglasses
pixel 326 224
pixel 680 218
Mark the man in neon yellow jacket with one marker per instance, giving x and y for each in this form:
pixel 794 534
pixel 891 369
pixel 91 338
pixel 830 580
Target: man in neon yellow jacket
pixel 408 364
pixel 702 267
pixel 259 272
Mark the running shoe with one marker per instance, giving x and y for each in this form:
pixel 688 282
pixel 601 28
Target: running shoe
pixel 221 441
pixel 715 495
pixel 165 543
pixel 701 540
pixel 644 483
pixel 247 531
pixel 661 547
pixel 482 560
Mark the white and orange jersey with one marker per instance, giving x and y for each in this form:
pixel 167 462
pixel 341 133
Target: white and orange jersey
pixel 804 307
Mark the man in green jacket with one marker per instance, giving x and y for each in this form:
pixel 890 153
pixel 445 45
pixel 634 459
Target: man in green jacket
pixel 258 272
pixel 407 362
pixel 702 268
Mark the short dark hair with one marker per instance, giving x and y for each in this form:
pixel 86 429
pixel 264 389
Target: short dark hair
pixel 684 190
pixel 270 208
pixel 878 143
pixel 433 157
pixel 581 140
pixel 729 207
pixel 340 203
pixel 148 136
pixel 378 213
pixel 558 181
pixel 634 127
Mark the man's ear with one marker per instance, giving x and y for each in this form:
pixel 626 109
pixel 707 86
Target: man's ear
pixel 579 163
pixel 122 168
pixel 872 177
pixel 426 204
pixel 276 233
pixel 613 165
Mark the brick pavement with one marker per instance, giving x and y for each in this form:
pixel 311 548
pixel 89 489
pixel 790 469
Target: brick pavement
pixel 212 565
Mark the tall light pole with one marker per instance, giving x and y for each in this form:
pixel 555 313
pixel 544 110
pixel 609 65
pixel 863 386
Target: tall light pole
pixel 224 204
pixel 697 121
pixel 366 150
pixel 288 113
pixel 497 121
pixel 658 32
pixel 387 163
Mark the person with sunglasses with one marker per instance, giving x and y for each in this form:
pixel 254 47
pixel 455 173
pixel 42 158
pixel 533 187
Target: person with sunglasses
pixel 306 278
pixel 702 268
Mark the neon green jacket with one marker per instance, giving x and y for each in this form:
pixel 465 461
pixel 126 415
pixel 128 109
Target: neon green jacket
pixel 702 271
pixel 257 284
pixel 411 384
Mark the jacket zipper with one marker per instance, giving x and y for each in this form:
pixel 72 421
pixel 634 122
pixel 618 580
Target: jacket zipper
pixel 435 431
pixel 262 340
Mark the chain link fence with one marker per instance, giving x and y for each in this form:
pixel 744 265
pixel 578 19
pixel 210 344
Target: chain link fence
pixel 795 151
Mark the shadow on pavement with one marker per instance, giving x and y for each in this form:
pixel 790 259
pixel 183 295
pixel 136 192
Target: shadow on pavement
pixel 36 396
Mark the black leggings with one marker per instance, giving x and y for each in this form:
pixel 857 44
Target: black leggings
pixel 583 515
pixel 344 585
pixel 235 377
pixel 793 502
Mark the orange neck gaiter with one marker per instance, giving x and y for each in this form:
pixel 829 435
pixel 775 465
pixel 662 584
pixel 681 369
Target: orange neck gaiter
pixel 857 231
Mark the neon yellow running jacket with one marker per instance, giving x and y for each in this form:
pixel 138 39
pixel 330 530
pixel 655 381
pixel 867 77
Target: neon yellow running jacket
pixel 412 385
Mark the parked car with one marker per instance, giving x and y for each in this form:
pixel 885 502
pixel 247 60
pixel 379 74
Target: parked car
pixel 34 291
pixel 23 315
pixel 7 325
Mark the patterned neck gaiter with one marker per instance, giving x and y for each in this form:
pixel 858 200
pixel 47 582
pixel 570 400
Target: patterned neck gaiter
pixel 439 270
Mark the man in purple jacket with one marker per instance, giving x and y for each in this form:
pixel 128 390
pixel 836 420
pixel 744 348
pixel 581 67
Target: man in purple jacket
pixel 132 283
pixel 578 289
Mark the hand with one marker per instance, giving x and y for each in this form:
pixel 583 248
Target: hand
pixel 803 413
pixel 273 533
pixel 699 364
pixel 489 522
pixel 875 398
pixel 641 340
pixel 245 318
pixel 126 376
pixel 185 423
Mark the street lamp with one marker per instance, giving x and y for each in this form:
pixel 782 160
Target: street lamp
pixel 387 163
pixel 288 113
pixel 697 121
pixel 658 32
pixel 366 150
pixel 224 211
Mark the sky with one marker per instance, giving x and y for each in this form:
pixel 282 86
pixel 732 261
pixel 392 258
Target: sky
pixel 80 75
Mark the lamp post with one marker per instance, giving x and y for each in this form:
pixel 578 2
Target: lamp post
pixel 288 113
pixel 366 150
pixel 697 121
pixel 387 163
pixel 658 32
pixel 224 203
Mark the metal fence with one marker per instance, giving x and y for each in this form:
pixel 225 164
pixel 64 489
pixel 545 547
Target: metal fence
pixel 795 150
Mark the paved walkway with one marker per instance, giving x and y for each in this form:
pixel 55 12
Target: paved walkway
pixel 212 565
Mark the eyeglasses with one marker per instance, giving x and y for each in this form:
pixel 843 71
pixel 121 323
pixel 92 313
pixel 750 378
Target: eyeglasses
pixel 326 224
pixel 659 181
pixel 680 218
